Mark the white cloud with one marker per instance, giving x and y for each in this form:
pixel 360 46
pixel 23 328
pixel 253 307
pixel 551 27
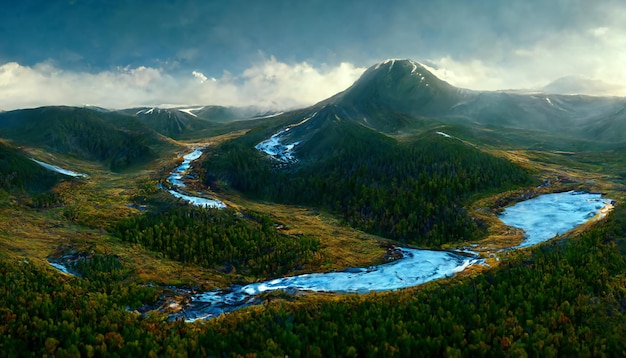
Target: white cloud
pixel 200 76
pixel 269 83
pixel 596 54
pixel 599 31
pixel 473 74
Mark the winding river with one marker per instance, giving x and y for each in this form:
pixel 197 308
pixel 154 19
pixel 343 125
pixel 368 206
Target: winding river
pixel 414 268
pixel 541 218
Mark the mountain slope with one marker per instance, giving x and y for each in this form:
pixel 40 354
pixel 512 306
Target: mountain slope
pixel 343 153
pixel 398 86
pixel 18 172
pixel 411 191
pixel 400 97
pixel 170 122
pixel 197 121
pixel 115 140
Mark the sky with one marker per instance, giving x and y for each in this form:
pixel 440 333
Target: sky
pixel 284 54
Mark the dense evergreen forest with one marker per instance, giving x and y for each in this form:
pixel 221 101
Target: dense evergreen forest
pixel 413 192
pixel 220 238
pixel 566 298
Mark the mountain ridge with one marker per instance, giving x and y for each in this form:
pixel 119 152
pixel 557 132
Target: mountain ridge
pixel 399 97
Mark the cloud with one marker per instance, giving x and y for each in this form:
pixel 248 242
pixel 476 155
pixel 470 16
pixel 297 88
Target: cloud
pixel 594 54
pixel 269 83
pixel 200 76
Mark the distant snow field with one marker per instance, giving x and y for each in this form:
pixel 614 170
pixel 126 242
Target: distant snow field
pixel 190 110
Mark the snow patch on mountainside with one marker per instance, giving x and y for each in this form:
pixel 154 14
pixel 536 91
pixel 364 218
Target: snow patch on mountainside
pixel 306 119
pixel 444 134
pixel 268 115
pixel 54 168
pixel 148 111
pixel 274 147
pixel 189 110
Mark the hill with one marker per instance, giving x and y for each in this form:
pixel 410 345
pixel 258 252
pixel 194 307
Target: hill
pixel 412 191
pixel 115 140
pixel 197 121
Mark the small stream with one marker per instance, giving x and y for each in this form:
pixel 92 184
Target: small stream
pixel 177 176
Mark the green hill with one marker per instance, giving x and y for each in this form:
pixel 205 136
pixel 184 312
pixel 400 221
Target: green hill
pixel 411 191
pixel 115 140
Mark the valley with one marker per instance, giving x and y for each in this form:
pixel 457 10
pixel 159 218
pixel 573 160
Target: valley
pixel 400 170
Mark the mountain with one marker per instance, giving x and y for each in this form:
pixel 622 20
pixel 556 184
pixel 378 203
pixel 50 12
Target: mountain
pixel 397 87
pixel 195 121
pixel 116 140
pixel 401 97
pixel 397 153
pixel 171 122
pixel 580 85
pixel 373 155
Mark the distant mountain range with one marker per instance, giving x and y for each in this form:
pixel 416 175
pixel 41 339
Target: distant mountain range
pixel 393 97
pixel 572 85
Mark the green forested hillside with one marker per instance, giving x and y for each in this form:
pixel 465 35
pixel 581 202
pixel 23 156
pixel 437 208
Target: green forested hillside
pixel 117 141
pixel 413 192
